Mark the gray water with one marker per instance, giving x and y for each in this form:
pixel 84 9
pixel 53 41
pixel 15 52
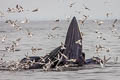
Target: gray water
pixel 40 39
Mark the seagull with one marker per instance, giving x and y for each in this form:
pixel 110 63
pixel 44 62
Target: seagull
pixel 35 10
pixel 18 39
pixel 4 38
pixel 106 60
pixel 100 22
pixel 71 4
pixel 114 31
pixel 63 55
pixel 50 36
pixel 29 33
pixel 1 14
pixel 108 14
pixel 108 50
pixel 27 56
pixel 83 21
pixel 18 9
pixel 57 20
pixel 99 47
pixel 99 37
pixel 78 12
pixel 79 42
pixel 98 32
pixel 16 42
pixel 116 60
pixel 86 7
pixel 62 46
pixel 17 6
pixel 35 49
pixel 13 24
pixel 11 48
pixel 7 49
pixel 55 28
pixel 82 34
pixel 11 10
pixel 25 21
pixel 113 25
pixel 101 64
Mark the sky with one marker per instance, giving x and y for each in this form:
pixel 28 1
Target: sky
pixel 60 9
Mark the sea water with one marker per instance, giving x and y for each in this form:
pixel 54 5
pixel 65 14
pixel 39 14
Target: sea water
pixel 45 37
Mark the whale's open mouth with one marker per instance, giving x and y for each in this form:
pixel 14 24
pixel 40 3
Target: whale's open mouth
pixel 65 56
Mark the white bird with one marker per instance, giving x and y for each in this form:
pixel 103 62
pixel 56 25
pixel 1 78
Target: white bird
pixel 108 14
pixel 25 21
pixel 29 33
pixel 116 60
pixel 100 22
pixel 83 20
pixel 108 50
pixel 85 7
pixel 62 46
pixel 16 42
pixel 2 14
pixel 35 49
pixel 106 60
pixel 4 38
pixel 35 10
pixel 113 25
pixel 101 64
pixel 55 28
pixel 71 4
pixel 79 42
pixel 18 9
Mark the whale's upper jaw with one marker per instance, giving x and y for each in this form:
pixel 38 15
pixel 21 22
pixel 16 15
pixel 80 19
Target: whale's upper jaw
pixel 73 49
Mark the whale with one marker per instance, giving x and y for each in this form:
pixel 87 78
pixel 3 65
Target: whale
pixel 72 53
